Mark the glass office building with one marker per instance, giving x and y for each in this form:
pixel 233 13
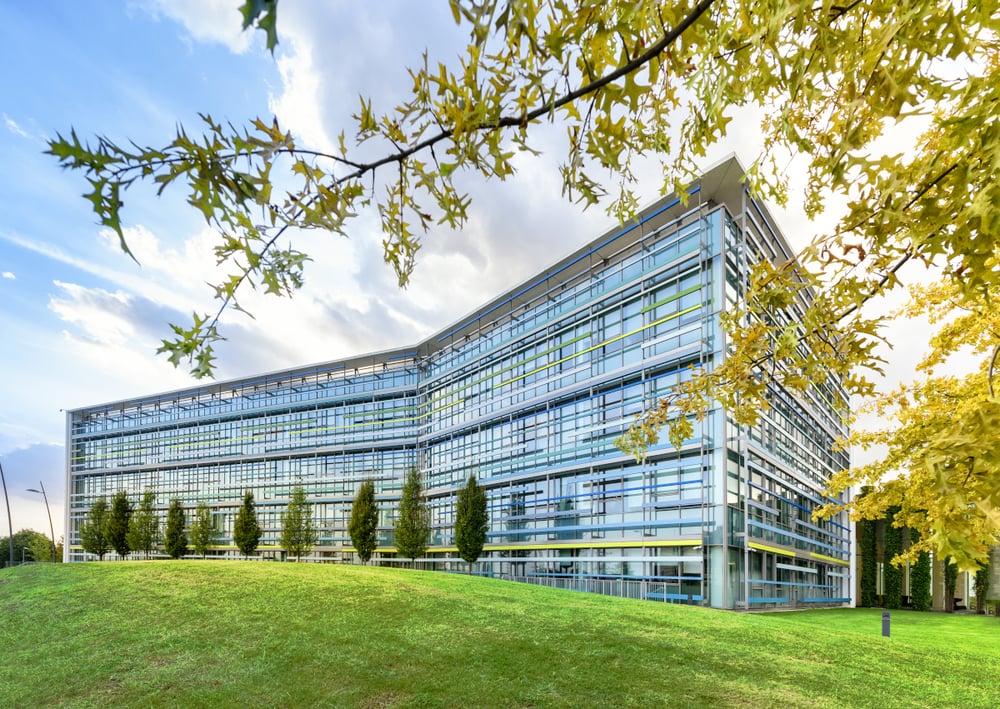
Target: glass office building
pixel 528 393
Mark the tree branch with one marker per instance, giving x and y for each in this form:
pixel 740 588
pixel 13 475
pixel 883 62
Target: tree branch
pixel 504 122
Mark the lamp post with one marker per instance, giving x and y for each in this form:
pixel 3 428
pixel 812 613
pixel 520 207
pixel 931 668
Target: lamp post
pixel 10 524
pixel 52 529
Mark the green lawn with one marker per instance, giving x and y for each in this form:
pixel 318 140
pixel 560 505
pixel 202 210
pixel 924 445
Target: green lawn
pixel 260 634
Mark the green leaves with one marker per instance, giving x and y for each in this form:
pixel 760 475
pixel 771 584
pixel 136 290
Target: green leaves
pixel 298 529
pixel 246 528
pixel 412 529
pixel 833 80
pixel 363 526
pixel 194 345
pixel 471 520
pixel 265 14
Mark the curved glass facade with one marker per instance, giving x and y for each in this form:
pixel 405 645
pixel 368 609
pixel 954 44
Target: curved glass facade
pixel 528 393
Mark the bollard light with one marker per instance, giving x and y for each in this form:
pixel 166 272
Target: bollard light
pixel 885 624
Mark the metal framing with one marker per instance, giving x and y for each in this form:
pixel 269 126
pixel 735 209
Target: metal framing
pixel 528 392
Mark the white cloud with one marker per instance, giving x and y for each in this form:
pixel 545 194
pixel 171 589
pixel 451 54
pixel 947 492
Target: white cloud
pixel 14 128
pixel 328 54
pixel 15 434
pixel 207 20
pixel 298 107
pixel 122 271
pixel 8 275
pixel 99 313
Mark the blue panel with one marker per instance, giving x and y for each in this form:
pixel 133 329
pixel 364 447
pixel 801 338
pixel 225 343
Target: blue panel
pixel 668 597
pixel 826 600
pixel 793 535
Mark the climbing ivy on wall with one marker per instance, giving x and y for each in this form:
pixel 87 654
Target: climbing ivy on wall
pixel 920 577
pixel 892 546
pixel 868 562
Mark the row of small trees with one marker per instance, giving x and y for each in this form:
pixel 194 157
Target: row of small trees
pixel 412 529
pixel 126 529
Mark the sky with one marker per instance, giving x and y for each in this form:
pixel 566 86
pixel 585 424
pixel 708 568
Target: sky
pixel 80 321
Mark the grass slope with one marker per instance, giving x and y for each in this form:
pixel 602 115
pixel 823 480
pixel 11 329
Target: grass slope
pixel 255 634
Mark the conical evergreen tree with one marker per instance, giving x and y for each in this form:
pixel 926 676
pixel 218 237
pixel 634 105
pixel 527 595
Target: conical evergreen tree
pixel 202 531
pixel 117 523
pixel 144 527
pixel 471 521
pixel 246 529
pixel 93 532
pixel 175 539
pixel 298 532
pixel 412 519
pixel 363 527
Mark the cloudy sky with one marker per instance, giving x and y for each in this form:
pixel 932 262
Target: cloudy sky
pixel 80 321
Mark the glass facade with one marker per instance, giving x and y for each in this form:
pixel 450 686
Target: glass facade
pixel 528 393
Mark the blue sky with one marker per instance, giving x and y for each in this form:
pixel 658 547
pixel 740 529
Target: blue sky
pixel 80 321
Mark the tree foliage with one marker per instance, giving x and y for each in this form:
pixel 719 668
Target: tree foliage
pixel 942 461
pixel 93 532
pixel 39 547
pixel 202 530
pixel 664 79
pixel 363 526
pixel 263 15
pixel 298 531
pixel 175 541
pixel 413 521
pixel 246 529
pixel 144 526
pixel 471 520
pixel 118 523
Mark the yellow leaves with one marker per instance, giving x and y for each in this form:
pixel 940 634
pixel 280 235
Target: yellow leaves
pixel 942 464
pixel 832 78
pixel 367 124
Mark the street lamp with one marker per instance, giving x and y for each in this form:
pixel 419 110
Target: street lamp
pixel 49 512
pixel 10 524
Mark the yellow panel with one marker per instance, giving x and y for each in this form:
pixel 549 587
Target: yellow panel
pixel 775 550
pixel 824 557
pixel 557 545
pixel 599 345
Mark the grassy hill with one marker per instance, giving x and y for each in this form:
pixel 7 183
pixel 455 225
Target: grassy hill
pixel 257 634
